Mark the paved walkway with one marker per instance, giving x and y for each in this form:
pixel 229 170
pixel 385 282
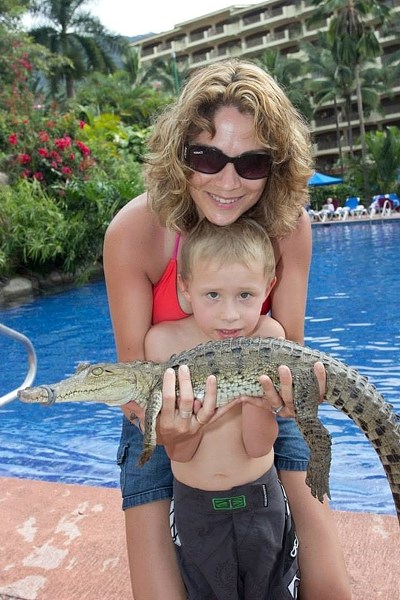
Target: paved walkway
pixel 67 542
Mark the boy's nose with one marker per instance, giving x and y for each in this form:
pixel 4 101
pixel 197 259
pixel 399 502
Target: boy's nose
pixel 230 312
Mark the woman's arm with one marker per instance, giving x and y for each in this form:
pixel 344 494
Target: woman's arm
pixel 128 248
pixel 288 297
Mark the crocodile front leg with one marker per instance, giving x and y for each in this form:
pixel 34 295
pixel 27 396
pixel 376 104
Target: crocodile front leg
pixel 150 436
pixel 317 437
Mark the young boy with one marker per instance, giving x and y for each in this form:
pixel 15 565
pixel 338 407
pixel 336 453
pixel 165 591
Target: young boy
pixel 235 538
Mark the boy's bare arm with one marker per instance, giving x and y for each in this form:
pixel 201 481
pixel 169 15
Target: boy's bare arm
pixel 259 426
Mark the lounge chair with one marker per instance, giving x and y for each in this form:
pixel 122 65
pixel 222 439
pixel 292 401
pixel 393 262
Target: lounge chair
pixel 351 207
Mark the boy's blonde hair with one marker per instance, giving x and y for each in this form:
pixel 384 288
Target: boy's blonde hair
pixel 244 242
pixel 278 127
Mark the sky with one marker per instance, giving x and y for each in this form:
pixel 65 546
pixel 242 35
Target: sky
pixel 131 18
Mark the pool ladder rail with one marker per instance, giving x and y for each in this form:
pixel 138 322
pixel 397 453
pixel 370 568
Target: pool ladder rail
pixel 32 362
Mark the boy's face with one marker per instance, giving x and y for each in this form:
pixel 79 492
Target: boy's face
pixel 226 300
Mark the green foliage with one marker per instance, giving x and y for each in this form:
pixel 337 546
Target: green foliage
pixel 319 195
pixel 136 103
pixel 111 138
pixel 40 232
pixel 33 230
pixel 384 153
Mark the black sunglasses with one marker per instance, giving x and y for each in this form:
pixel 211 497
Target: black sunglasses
pixel 249 165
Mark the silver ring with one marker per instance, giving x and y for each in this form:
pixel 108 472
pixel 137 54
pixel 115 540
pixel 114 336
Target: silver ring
pixel 185 414
pixel 199 420
pixel 278 409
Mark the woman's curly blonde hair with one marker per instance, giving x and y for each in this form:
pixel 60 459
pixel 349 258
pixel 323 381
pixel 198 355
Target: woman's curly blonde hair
pixel 277 125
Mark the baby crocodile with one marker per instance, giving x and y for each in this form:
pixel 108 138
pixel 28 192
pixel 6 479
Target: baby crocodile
pixel 237 364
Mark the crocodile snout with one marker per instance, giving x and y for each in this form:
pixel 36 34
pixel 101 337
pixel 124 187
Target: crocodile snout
pixel 42 394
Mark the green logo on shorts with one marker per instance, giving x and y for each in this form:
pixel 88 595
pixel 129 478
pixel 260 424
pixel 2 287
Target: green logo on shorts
pixel 229 503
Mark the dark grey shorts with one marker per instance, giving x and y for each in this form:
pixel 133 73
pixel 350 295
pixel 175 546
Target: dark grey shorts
pixel 236 544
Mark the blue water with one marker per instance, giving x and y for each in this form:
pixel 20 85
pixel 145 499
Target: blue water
pixel 352 313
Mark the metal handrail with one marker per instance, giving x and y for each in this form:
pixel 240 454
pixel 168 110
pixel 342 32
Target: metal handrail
pixel 32 362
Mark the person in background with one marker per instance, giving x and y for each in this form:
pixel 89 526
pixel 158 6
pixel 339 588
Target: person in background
pixel 232 144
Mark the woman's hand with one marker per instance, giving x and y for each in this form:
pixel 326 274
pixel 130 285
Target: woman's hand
pixel 282 404
pixel 182 416
pixel 134 413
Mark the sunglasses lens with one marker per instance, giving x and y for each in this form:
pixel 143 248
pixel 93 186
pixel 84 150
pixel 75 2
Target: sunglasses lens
pixel 205 160
pixel 253 166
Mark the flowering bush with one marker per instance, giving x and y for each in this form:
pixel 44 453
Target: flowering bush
pixel 51 155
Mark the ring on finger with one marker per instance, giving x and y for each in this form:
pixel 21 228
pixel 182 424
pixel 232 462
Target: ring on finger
pixel 278 409
pixel 199 420
pixel 185 414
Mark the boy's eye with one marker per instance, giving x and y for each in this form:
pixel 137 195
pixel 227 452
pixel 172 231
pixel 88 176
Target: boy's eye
pixel 245 295
pixel 213 295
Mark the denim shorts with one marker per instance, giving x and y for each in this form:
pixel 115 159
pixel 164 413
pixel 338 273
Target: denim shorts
pixel 153 481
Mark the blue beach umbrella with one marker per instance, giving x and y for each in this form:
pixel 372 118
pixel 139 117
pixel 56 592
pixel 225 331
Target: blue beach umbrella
pixel 322 179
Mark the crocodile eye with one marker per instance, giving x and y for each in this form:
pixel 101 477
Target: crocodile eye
pixel 96 371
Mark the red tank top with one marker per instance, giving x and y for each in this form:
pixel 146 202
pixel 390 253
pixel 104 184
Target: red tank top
pixel 166 305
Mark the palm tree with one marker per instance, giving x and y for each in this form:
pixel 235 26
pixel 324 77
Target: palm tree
pixel 384 150
pixel 353 40
pixel 288 73
pixel 333 83
pixel 70 31
pixel 11 11
pixel 167 73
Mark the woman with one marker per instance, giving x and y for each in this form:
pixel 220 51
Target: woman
pixel 231 144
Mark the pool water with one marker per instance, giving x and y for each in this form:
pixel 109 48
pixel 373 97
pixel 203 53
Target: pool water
pixel 352 314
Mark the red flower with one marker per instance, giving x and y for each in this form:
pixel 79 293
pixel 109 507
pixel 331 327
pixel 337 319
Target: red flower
pixel 66 171
pixel 84 150
pixel 26 64
pixel 43 152
pixel 13 139
pixel 38 175
pixel 23 159
pixel 62 143
pixel 56 157
pixel 82 124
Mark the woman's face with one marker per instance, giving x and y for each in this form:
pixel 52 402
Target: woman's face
pixel 222 197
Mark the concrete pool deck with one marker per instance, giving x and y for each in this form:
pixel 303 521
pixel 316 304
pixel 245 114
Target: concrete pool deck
pixel 67 542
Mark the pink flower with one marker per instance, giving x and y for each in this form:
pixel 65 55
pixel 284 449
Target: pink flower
pixel 25 173
pixel 72 156
pixel 66 171
pixel 43 152
pixel 82 124
pixel 13 139
pixel 38 175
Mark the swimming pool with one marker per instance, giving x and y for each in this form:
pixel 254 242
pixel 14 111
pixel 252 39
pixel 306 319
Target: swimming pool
pixel 352 313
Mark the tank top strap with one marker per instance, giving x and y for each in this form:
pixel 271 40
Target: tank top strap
pixel 176 246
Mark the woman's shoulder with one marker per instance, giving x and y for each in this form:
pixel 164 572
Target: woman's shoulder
pixel 135 222
pixel 298 239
